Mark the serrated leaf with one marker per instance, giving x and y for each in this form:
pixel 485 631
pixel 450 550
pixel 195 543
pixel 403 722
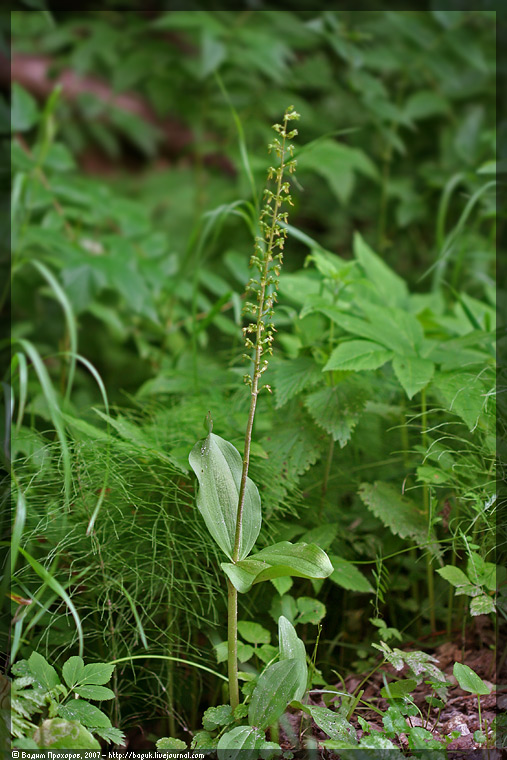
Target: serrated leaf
pixel 72 671
pixel 275 688
pixel 300 560
pixel 87 714
pixel 413 373
pixel 292 648
pixel 292 377
pixel 463 393
pixel 482 605
pixel 111 735
pixel 218 467
pixel 356 355
pixel 338 409
pixel 168 742
pixel 481 572
pixel 347 575
pixel 217 716
pixel 96 673
pixel 253 632
pixel 396 512
pixel 42 671
pixel 97 693
pixel 454 576
pixel 468 680
pixel 293 446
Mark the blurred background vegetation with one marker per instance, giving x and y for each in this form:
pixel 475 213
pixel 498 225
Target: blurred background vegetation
pixel 138 160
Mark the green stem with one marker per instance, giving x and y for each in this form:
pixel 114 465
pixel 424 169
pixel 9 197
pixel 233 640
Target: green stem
pixel 232 595
pixel 232 638
pixel 426 503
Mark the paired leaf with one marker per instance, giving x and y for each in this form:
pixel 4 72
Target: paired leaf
pixel 218 467
pixel 246 742
pixel 292 648
pixel 276 687
pixel 300 560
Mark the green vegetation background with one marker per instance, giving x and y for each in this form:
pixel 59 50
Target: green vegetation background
pixel 135 193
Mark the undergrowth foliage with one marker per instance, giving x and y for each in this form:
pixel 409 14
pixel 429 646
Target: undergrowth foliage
pixel 370 436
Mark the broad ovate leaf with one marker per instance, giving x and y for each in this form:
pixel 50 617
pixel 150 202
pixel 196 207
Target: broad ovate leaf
pixel 300 560
pixel 468 679
pixel 292 648
pixel 57 733
pixel 218 467
pixel 247 743
pixel 276 688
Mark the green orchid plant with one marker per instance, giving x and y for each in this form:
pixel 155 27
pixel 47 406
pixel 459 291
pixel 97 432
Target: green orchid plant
pixel 229 500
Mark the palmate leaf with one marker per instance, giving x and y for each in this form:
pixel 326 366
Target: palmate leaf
pixel 300 560
pixel 218 467
pixel 399 514
pixel 338 409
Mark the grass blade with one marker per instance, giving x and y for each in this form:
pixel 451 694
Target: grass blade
pixel 58 589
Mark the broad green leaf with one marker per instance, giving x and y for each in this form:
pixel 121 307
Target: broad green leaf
pixel 291 377
pixel 413 373
pixel 275 688
pixel 24 111
pixel 217 716
pixel 245 742
pixel 64 734
pixel 87 714
pixel 94 692
pixel 167 742
pixel 454 576
pixel 396 512
pixel 463 393
pixel 253 632
pixel 482 605
pixel 310 610
pixel 481 572
pixel 337 163
pixel 96 673
pixel 399 689
pixel 356 355
pixel 43 672
pixel 292 648
pixel 390 285
pixel 337 409
pixel 72 671
pixel 218 467
pixel 432 475
pixel 332 723
pixel 347 575
pixel 300 560
pixel 468 680
pixel 425 104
